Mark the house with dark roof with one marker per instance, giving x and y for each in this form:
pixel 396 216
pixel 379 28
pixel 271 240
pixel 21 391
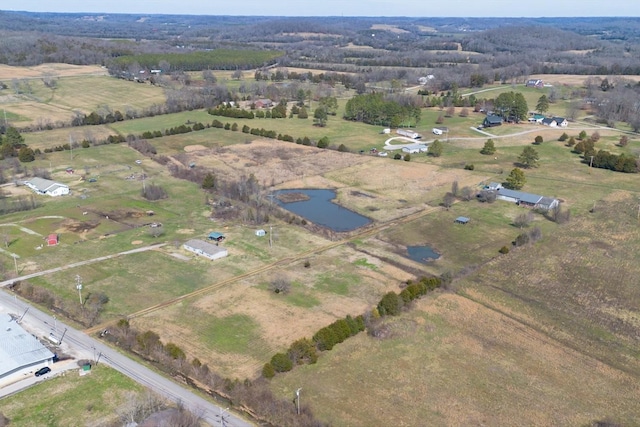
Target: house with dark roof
pixel 491 121
pixel 561 121
pixel 528 200
pixel 548 121
pixel 537 83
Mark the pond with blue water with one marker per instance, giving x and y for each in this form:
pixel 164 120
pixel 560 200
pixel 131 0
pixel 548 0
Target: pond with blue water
pixel 317 206
pixel 423 254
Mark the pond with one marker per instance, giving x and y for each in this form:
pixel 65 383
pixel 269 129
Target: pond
pixel 317 206
pixel 423 254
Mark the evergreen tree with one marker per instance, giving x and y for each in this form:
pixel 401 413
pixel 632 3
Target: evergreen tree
pixel 529 157
pixel 543 104
pixel 435 149
pixel 516 179
pixel 489 147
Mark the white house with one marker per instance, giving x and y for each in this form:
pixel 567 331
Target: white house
pixel 47 187
pixel 207 250
pixel 415 148
pixel 261 233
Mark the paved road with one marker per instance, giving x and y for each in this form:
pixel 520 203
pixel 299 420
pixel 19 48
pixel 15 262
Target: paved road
pixel 87 347
pixel 80 263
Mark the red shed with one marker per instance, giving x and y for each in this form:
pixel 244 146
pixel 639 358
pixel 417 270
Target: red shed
pixel 52 240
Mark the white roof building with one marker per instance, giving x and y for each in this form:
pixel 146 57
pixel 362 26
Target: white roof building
pixel 207 250
pixel 47 187
pixel 19 349
pixel 415 148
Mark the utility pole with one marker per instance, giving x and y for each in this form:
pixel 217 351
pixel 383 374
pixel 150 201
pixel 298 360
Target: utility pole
pixel 79 287
pixel 270 236
pixel 15 261
pixel 298 400
pixel 590 164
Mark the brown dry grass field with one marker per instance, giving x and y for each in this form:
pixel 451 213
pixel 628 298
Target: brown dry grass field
pixel 8 72
pixel 453 362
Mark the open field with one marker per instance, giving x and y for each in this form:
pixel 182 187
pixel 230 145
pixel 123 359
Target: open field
pixel 71 400
pixel 525 339
pixel 451 361
pixel 8 72
pixel 575 80
pixel 85 93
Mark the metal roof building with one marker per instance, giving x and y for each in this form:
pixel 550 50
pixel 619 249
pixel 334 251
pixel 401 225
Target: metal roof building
pixel 19 349
pixel 205 249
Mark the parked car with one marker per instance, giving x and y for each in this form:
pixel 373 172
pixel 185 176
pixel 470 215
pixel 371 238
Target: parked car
pixel 43 371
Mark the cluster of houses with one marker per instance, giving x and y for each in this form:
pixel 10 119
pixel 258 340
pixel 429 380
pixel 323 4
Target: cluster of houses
pixel 549 121
pixel 492 120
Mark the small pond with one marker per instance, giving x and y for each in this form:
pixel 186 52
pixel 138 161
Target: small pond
pixel 423 254
pixel 317 206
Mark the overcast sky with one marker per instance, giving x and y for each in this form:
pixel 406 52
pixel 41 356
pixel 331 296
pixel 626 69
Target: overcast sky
pixel 412 8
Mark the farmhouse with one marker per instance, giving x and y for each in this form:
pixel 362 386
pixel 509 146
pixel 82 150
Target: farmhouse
pixel 555 121
pixel 548 121
pixel 491 121
pixel 526 199
pixel 534 83
pixel 47 187
pixel 263 103
pixel 205 249
pixel 415 148
pixel 19 349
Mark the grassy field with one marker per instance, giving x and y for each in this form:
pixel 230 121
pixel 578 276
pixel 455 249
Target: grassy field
pixel 451 361
pixel 85 93
pixel 71 400
pixel 525 329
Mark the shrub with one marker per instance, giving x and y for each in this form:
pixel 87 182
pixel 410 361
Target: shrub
pixel 325 339
pixel 538 139
pixel 522 239
pixel 268 371
pixel 504 250
pixel 469 167
pixel 397 156
pixel 303 351
pixel 153 192
pixel 174 351
pixel 281 363
pixel 390 304
pixel 407 157
pixel 563 137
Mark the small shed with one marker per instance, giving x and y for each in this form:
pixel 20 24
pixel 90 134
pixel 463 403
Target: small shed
pixel 218 237
pixel 462 220
pixel 261 233
pixel 52 239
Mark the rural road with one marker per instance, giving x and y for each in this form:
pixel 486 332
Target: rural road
pixel 80 263
pixel 88 347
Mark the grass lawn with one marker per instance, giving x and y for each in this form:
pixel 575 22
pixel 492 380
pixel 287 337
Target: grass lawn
pixel 71 400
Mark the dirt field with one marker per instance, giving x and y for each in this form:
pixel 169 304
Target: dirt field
pixel 8 72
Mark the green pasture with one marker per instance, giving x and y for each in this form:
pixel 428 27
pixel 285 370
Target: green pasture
pixel 132 282
pixel 71 400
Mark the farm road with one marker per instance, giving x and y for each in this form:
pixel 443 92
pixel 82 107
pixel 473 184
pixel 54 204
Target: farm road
pixel 80 263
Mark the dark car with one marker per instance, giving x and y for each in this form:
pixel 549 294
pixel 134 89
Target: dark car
pixel 43 371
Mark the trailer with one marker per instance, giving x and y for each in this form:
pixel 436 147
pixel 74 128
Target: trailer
pixel 409 133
